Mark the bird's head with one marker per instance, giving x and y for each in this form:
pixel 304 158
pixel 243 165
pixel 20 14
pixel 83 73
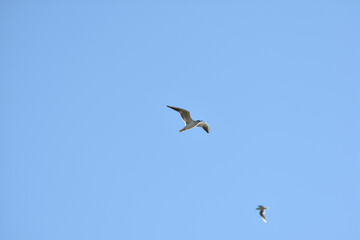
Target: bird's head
pixel 261 207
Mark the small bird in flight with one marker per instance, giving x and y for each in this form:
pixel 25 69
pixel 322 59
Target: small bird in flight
pixel 262 212
pixel 189 123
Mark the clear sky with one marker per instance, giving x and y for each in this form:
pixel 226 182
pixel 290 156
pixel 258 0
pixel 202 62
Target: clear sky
pixel 89 150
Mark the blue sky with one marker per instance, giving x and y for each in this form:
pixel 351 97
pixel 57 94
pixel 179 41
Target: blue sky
pixel 89 150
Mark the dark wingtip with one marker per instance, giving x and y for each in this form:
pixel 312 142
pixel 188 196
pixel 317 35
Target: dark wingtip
pixel 173 108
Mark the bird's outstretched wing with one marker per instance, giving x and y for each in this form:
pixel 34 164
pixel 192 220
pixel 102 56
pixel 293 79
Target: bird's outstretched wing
pixel 185 115
pixel 262 215
pixel 205 126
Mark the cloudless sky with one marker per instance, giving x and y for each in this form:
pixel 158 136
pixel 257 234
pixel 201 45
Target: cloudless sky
pixel 89 150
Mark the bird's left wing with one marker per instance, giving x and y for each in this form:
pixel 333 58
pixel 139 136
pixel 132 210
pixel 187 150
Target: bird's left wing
pixel 185 115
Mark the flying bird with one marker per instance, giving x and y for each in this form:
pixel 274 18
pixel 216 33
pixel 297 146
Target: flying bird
pixel 189 123
pixel 262 212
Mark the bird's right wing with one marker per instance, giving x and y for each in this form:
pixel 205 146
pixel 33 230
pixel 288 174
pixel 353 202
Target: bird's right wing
pixel 185 115
pixel 205 126
pixel 262 214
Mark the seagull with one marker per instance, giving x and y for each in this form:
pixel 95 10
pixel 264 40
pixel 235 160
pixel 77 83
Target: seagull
pixel 262 212
pixel 189 123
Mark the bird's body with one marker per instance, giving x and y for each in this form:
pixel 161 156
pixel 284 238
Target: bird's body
pixel 262 212
pixel 189 123
pixel 189 126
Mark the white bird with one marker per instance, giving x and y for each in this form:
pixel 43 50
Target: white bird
pixel 189 123
pixel 262 212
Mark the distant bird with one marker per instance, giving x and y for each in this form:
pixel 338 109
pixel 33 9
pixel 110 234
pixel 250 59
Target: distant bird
pixel 262 212
pixel 189 123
